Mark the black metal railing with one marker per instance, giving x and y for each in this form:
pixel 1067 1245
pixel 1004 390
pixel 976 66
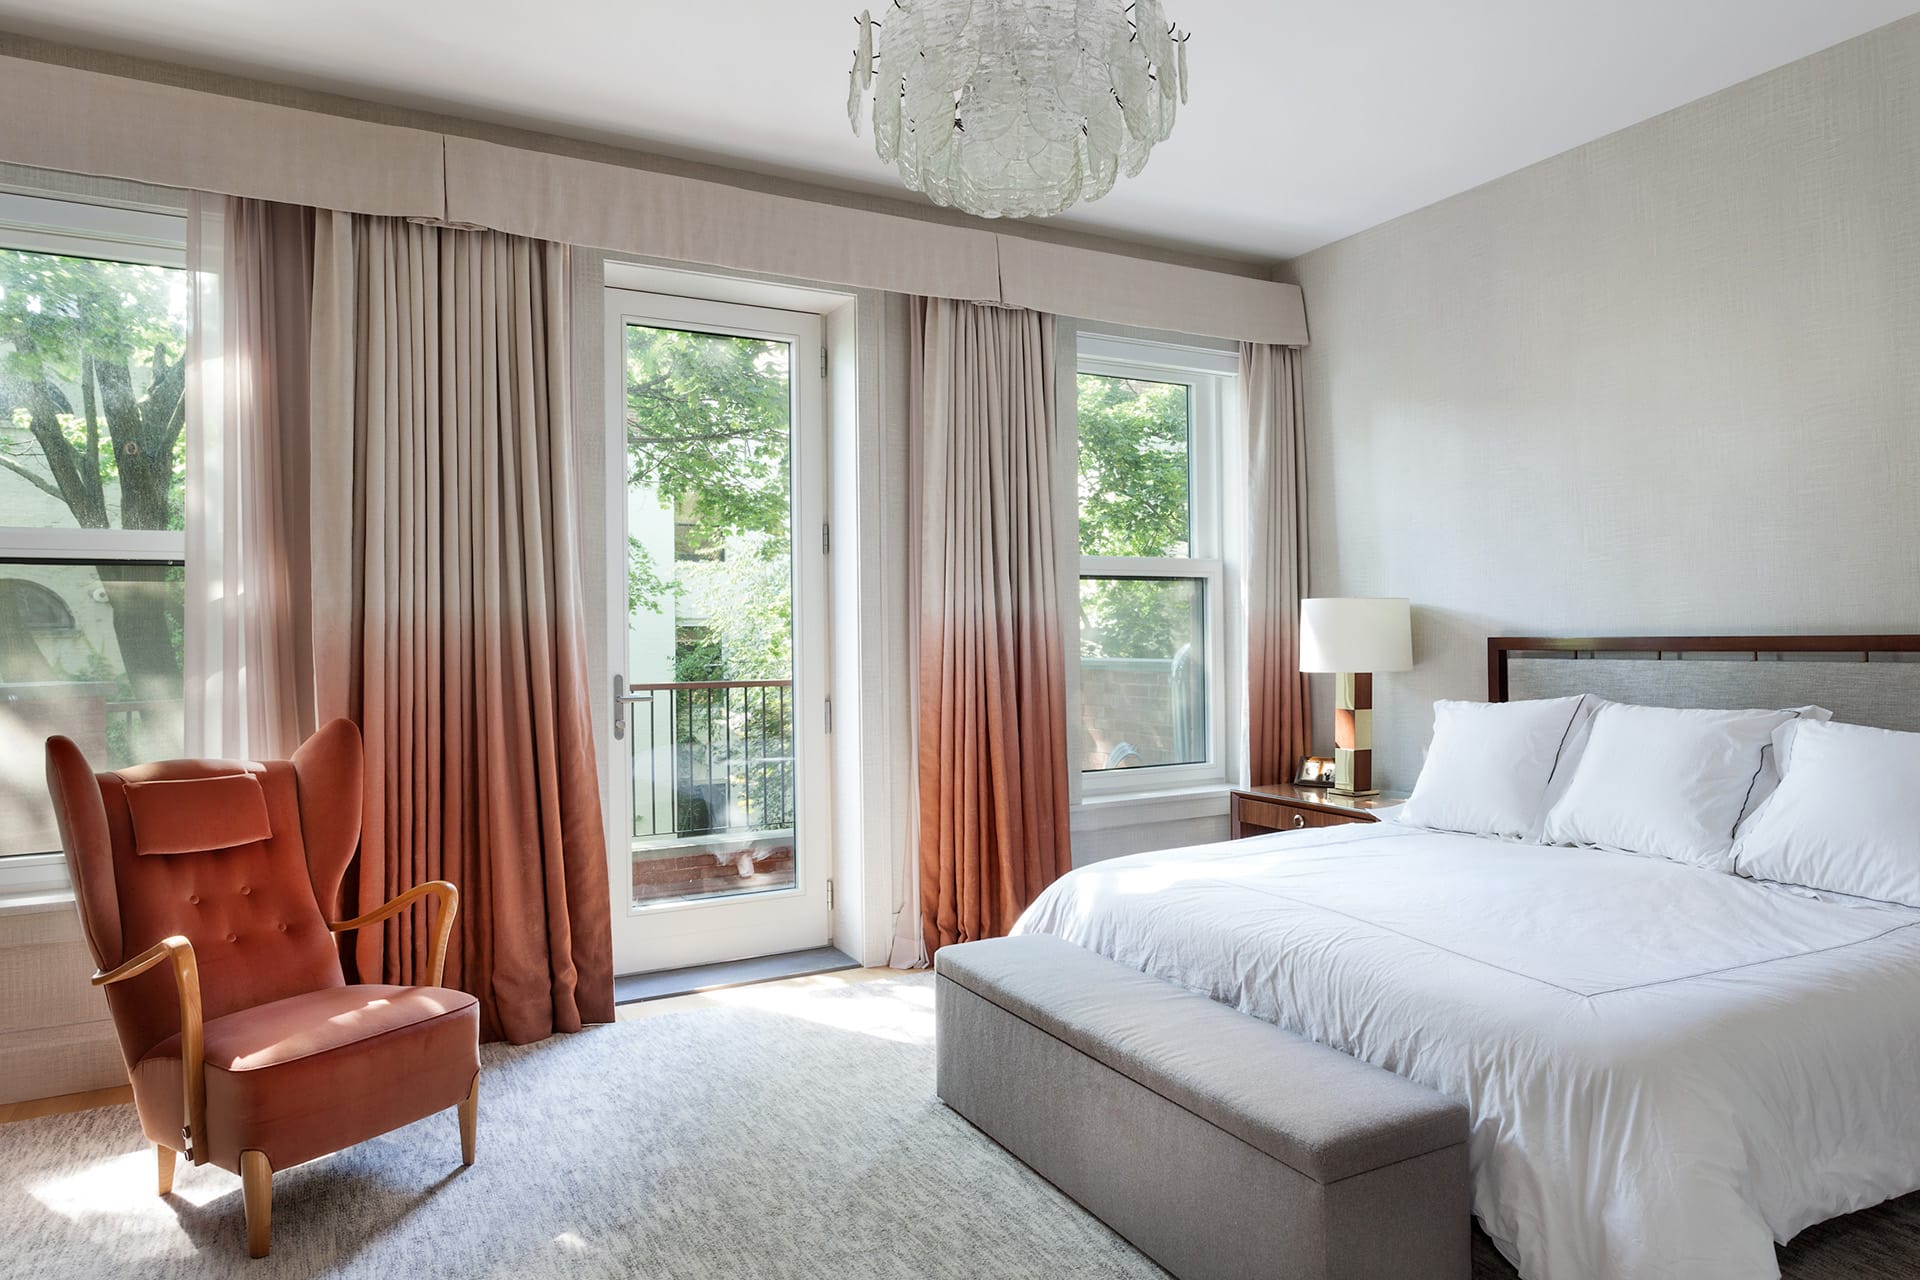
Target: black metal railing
pixel 712 756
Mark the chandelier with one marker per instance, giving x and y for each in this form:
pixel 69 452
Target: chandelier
pixel 1018 108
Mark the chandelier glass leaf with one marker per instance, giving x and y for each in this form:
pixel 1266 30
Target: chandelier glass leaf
pixel 1017 108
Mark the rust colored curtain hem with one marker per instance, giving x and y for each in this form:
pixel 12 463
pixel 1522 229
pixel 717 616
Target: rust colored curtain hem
pixel 1279 725
pixel 449 612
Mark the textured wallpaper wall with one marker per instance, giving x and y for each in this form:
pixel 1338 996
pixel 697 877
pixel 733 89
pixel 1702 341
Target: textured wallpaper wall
pixel 1667 382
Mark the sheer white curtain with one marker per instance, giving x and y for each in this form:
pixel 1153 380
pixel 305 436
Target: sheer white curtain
pixel 249 652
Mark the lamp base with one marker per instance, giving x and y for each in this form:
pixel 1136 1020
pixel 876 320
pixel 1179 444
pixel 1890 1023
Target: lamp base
pixel 1353 735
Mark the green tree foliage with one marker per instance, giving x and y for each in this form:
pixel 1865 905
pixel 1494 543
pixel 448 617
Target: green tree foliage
pixel 708 431
pixel 707 428
pixel 1134 501
pixel 93 414
pixel 747 601
pixel 709 425
pixel 1133 467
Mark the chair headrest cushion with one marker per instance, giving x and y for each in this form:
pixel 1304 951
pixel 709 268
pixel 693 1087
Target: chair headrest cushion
pixel 196 815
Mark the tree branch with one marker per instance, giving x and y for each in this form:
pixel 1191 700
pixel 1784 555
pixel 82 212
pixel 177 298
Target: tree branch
pixel 176 423
pixel 39 482
pixel 96 487
pixel 62 458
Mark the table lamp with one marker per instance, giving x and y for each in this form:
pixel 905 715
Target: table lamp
pixel 1352 637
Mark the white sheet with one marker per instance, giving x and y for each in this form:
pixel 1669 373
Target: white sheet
pixel 1668 1068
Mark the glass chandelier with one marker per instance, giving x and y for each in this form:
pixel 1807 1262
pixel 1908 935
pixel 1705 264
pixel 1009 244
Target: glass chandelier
pixel 1018 108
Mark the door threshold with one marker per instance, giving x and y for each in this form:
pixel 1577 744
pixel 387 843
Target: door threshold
pixel 663 984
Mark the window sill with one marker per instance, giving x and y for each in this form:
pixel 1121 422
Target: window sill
pixel 33 882
pixel 30 903
pixel 1137 808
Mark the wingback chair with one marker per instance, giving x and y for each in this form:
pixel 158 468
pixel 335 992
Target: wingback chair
pixel 209 893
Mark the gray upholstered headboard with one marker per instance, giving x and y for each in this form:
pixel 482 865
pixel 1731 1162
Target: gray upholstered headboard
pixel 1871 680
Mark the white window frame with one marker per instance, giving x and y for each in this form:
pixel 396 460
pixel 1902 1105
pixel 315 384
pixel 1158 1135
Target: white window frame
pixel 81 228
pixel 1212 381
pixel 84 228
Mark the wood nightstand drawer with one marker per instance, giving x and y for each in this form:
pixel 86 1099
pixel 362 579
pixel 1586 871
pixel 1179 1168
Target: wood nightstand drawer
pixel 1257 811
pixel 1288 817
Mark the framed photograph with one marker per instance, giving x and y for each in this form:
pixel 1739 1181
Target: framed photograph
pixel 1315 771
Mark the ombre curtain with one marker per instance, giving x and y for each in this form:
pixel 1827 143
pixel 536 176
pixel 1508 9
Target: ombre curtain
pixel 449 612
pixel 1278 717
pixel 990 648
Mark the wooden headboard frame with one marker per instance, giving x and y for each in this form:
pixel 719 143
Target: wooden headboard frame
pixel 1499 647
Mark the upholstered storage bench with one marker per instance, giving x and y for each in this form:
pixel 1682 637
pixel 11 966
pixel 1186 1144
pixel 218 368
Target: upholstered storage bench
pixel 1220 1145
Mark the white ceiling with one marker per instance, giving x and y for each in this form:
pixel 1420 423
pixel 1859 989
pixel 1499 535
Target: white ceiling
pixel 1309 120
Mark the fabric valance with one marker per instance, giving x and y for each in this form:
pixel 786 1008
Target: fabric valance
pixel 663 215
pixel 54 117
pixel 1118 289
pixel 79 121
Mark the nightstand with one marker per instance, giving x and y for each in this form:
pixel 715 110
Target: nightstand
pixel 1256 811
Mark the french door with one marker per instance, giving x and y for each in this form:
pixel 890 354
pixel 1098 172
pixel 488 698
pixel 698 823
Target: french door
pixel 717 786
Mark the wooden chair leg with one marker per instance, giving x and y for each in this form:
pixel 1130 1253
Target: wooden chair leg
pixel 256 1187
pixel 469 1121
pixel 166 1156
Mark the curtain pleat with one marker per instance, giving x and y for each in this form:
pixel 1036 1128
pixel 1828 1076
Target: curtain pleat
pixel 992 706
pixel 1278 716
pixel 249 650
pixel 270 302
pixel 444 519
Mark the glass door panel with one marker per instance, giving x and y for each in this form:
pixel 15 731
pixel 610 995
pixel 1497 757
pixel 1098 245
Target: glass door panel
pixel 714 653
pixel 709 613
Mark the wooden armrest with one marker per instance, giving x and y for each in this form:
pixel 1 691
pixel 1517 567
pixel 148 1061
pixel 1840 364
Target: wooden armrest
pixel 193 1071
pixel 449 898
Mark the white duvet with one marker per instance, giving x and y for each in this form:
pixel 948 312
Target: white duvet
pixel 1668 1068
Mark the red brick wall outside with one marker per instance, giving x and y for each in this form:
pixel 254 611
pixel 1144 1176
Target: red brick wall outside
pixel 1126 700
pixel 687 872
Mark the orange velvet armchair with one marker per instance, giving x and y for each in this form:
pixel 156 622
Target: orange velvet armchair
pixel 209 891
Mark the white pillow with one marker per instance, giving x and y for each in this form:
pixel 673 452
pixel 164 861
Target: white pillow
pixel 1668 782
pixel 1773 758
pixel 1846 817
pixel 1571 749
pixel 1488 764
pixel 1774 762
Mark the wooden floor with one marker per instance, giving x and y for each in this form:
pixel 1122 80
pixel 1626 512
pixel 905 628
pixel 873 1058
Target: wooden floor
pixel 758 993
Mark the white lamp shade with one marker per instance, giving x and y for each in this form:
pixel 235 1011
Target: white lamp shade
pixel 1356 633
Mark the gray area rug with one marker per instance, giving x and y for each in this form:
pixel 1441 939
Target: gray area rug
pixel 786 1133
pixel 799 1137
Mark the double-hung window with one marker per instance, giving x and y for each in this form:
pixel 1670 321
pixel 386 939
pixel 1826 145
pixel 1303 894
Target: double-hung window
pixel 1150 707
pixel 94 313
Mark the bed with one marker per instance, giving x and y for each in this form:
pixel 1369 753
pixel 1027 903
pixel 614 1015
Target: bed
pixel 1668 1068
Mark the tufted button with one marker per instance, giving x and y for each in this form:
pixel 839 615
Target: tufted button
pixel 283 926
pixel 193 899
pixel 233 937
pixel 246 890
